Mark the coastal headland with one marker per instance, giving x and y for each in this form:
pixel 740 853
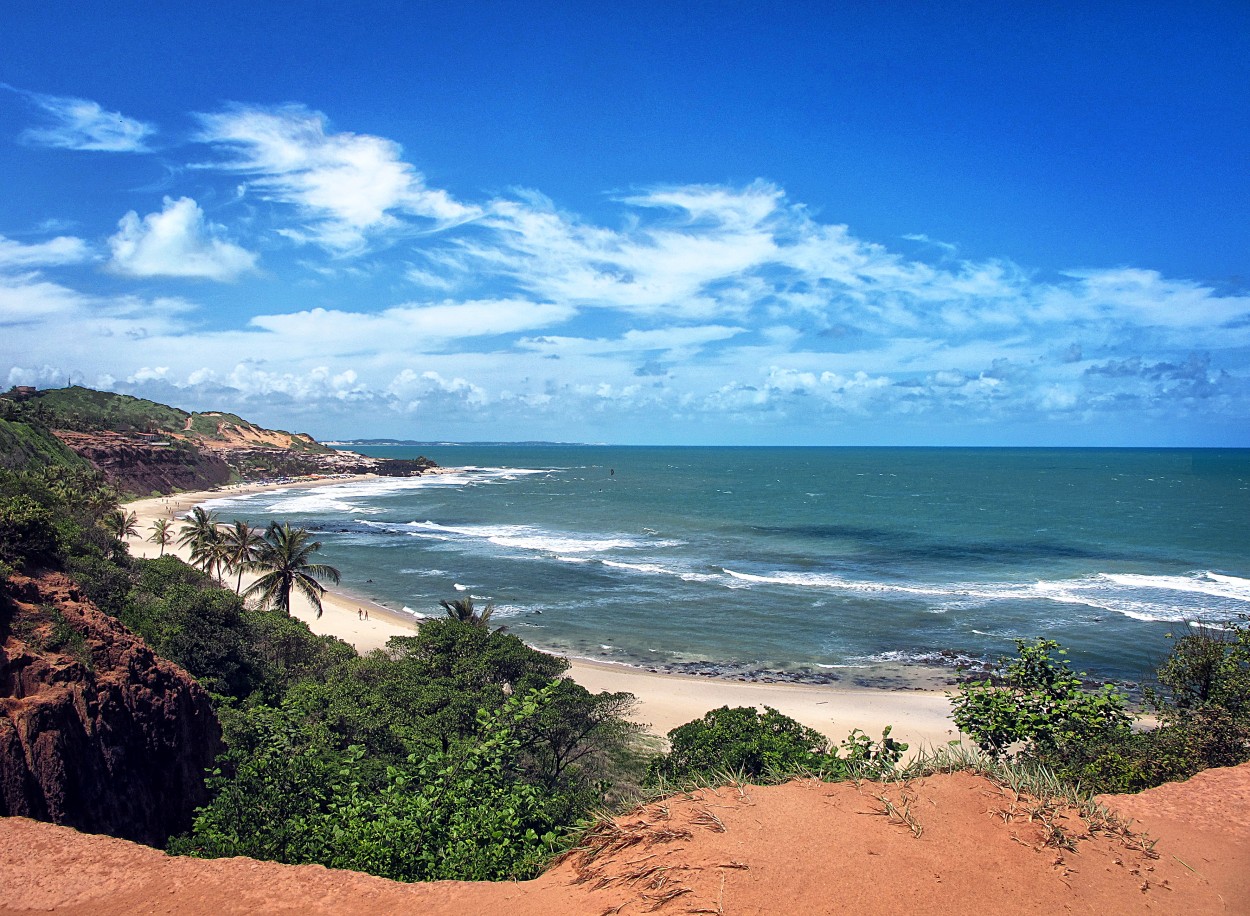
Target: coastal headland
pixel 919 717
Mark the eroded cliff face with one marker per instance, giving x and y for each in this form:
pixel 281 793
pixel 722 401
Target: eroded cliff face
pixel 96 732
pixel 138 466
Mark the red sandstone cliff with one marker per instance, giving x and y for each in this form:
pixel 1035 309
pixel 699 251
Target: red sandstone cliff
pixel 96 732
pixel 136 465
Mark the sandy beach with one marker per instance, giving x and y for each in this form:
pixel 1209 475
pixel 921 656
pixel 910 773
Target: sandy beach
pixel 918 717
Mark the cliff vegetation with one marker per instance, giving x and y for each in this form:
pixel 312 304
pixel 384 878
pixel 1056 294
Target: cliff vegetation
pixel 143 447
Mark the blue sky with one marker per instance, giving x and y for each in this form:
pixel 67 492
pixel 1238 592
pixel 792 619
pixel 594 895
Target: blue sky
pixel 730 223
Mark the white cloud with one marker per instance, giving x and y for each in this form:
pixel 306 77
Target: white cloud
pixel 410 326
pixel 26 299
pixel 698 303
pixel 81 124
pixel 347 186
pixel 421 389
pixel 673 342
pixel 176 242
pixel 59 251
pixel 1143 298
pixel 148 374
pixel 662 269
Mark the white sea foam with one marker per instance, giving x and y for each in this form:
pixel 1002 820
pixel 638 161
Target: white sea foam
pixel 349 495
pixel 655 569
pixel 1200 595
pixel 526 537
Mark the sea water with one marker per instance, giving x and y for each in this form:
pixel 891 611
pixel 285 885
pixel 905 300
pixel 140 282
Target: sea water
pixel 803 563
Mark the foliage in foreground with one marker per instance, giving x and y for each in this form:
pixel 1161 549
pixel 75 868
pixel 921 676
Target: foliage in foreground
pixel 459 814
pixel 1036 710
pixel 457 753
pixel 1038 700
pixel 747 743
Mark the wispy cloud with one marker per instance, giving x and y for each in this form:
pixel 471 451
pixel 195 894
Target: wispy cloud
pixel 347 187
pixel 694 305
pixel 176 242
pixel 409 328
pixel 81 124
pixel 55 252
pixel 705 237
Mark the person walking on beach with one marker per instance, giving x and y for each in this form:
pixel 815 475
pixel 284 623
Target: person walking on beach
pixel 360 613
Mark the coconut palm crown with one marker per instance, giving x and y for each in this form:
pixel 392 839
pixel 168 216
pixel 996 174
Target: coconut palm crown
pixel 122 524
pixel 161 533
pixel 282 559
pixel 241 544
pixel 201 533
pixel 462 609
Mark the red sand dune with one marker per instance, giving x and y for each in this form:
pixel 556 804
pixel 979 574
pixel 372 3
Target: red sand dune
pixel 945 844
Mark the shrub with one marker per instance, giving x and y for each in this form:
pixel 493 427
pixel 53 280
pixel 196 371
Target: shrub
pixel 1038 701
pixel 1202 701
pixel 754 745
pixel 459 815
pixel 28 534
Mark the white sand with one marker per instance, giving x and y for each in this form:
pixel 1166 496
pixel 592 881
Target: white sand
pixel 919 717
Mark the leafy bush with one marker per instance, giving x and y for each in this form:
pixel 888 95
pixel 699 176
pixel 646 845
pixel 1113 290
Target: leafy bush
pixel 1204 694
pixel 1202 703
pixel 1038 701
pixel 756 744
pixel 28 534
pixel 461 815
pixel 186 617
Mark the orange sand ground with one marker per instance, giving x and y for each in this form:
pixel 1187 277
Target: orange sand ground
pixel 801 848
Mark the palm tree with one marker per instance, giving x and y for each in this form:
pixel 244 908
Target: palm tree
pixel 199 527
pixel 241 543
pixel 213 557
pixel 200 533
pixel 161 533
pixel 462 609
pixel 122 524
pixel 282 558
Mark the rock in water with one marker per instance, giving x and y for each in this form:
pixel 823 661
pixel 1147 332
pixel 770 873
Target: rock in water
pixel 96 731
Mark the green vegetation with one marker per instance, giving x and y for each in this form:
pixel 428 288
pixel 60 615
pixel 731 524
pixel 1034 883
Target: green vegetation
pixel 282 559
pixel 86 410
pixel 1036 710
pixel 457 753
pixel 1037 700
pixel 744 743
pixel 460 752
pixel 26 444
pixel 53 516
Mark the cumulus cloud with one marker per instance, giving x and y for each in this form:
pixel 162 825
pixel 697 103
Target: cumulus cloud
pixel 346 186
pixel 423 389
pixel 176 242
pixel 81 124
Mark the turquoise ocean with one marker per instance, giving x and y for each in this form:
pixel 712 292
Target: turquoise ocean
pixel 810 564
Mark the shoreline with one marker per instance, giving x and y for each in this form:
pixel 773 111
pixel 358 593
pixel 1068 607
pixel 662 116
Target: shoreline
pixel 918 715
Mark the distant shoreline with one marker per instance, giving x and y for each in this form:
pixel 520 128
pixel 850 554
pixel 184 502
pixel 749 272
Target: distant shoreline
pixel 666 700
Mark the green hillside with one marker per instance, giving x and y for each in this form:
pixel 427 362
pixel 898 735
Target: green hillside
pixel 86 410
pixel 24 445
